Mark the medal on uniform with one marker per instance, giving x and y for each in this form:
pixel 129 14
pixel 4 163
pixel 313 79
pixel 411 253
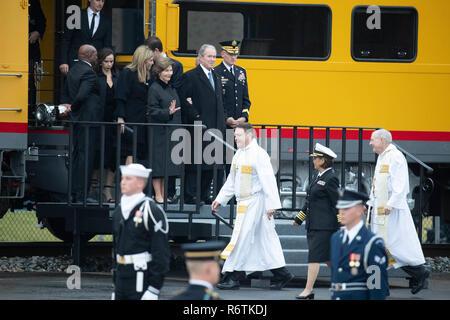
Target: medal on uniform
pixel 354 263
pixel 137 218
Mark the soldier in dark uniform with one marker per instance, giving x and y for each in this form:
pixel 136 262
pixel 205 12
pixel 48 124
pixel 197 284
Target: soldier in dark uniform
pixel 141 247
pixel 204 270
pixel 320 214
pixel 236 101
pixel 358 256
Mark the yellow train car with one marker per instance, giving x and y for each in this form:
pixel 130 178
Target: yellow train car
pixel 324 63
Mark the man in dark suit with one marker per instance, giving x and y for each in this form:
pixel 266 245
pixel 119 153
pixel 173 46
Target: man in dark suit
pixel 95 29
pixel 202 87
pixel 36 29
pixel 358 256
pixel 204 270
pixel 80 96
pixel 155 44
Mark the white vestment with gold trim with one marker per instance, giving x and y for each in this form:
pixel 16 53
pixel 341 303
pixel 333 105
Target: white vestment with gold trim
pixel 390 187
pixel 255 245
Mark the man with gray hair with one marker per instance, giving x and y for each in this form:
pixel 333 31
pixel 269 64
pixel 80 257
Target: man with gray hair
pixel 201 102
pixel 390 216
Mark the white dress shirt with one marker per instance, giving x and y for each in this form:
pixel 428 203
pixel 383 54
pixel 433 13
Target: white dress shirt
pixel 201 283
pixel 321 173
pixel 206 71
pixel 228 67
pixel 96 21
pixel 351 234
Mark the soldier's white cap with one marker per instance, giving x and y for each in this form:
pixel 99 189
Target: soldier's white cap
pixel 322 151
pixel 135 169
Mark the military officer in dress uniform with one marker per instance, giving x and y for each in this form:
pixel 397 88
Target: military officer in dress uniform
pixel 233 78
pixel 236 102
pixel 204 270
pixel 141 247
pixel 320 214
pixel 358 256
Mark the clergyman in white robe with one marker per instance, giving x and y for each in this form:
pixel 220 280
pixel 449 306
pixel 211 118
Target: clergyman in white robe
pixel 254 244
pixel 258 247
pixel 390 215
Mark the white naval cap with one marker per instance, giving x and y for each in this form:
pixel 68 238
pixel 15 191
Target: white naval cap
pixel 135 169
pixel 322 151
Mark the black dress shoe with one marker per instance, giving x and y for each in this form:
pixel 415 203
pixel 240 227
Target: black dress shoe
pixel 421 282
pixel 229 284
pixel 280 284
pixel 307 297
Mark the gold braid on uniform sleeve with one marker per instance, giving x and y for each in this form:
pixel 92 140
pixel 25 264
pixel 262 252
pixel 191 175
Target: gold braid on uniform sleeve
pixel 300 217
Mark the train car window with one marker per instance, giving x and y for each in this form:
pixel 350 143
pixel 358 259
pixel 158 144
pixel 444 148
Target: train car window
pixel 266 30
pixel 127 18
pixel 384 34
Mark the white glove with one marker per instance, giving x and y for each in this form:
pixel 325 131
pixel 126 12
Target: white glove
pixel 113 296
pixel 149 296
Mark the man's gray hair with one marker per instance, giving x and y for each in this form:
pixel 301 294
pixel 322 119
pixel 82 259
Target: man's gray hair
pixel 383 134
pixel 201 51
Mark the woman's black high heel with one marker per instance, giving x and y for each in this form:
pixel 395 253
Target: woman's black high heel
pixel 307 297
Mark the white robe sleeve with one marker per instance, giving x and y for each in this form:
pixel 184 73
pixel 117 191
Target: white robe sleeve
pixel 227 190
pixel 267 181
pixel 399 182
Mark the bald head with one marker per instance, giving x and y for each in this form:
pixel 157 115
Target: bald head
pixel 87 53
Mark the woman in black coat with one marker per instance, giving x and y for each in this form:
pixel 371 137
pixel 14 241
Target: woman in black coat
pixel 163 107
pixel 107 81
pixel 320 214
pixel 131 101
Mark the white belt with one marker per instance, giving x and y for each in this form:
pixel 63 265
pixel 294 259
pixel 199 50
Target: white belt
pixel 132 258
pixel 350 286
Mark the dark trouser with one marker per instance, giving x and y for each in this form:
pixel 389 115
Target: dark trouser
pixel 125 283
pixel 235 275
pixel 416 272
pixel 83 155
pixel 171 190
pixel 190 188
pixel 280 273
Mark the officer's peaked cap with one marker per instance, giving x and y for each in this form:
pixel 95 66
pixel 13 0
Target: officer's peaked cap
pixel 135 169
pixel 231 46
pixel 322 151
pixel 209 250
pixel 350 198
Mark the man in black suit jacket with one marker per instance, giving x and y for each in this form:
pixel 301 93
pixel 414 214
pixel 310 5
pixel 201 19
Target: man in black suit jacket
pixel 98 35
pixel 36 29
pixel 80 96
pixel 202 87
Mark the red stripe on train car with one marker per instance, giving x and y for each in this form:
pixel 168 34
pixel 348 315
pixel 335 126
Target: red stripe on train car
pixel 50 131
pixel 13 127
pixel 336 134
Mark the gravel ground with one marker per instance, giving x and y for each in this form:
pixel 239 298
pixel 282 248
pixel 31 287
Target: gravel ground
pixel 103 264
